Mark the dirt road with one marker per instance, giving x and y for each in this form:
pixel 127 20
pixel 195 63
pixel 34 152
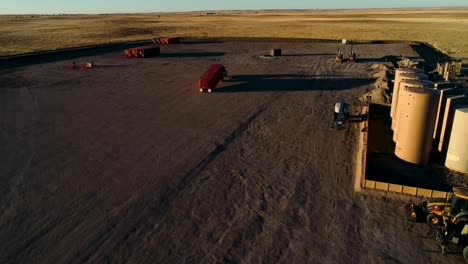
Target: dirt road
pixel 128 162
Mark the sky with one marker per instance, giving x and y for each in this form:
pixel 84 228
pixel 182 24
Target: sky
pixel 129 6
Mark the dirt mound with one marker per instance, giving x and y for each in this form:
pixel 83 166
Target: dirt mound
pixel 408 63
pixel 380 94
pixel 383 75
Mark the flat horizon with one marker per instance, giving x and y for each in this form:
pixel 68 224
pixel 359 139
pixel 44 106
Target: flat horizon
pixel 245 10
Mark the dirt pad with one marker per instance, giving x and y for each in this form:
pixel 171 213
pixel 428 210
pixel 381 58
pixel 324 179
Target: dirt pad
pixel 128 162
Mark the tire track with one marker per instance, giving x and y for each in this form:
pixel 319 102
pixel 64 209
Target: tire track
pixel 194 172
pixel 143 222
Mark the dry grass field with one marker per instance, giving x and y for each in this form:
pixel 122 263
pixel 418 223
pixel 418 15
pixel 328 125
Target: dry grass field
pixel 446 29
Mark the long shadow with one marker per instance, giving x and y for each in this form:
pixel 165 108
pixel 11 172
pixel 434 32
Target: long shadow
pixel 274 39
pixel 376 60
pixel 191 54
pixel 431 55
pixel 382 165
pixel 110 66
pixel 59 55
pixel 357 118
pixel 201 42
pixel 307 54
pixel 392 59
pixel 389 168
pixel 464 69
pixel 289 82
pixel 79 64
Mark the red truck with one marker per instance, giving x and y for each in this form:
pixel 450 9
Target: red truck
pixel 214 74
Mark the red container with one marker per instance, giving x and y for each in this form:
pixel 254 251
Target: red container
pixel 211 77
pixel 142 52
pixel 165 41
pixel 128 53
pixel 145 51
pixel 173 40
pixel 135 52
pixel 160 41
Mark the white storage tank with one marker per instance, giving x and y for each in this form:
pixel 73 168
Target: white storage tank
pixel 457 152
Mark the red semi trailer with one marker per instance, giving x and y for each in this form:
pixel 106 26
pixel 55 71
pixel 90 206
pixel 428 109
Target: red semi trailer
pixel 214 74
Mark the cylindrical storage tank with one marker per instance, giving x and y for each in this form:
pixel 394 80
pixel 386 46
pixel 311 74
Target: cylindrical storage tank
pixel 405 76
pixel 416 124
pixel 457 153
pixel 406 84
pixel 398 73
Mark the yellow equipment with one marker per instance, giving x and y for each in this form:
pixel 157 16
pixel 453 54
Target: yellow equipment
pixel 438 210
pixel 339 57
pixel 352 56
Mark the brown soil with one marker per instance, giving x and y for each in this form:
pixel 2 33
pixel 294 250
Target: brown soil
pixel 128 162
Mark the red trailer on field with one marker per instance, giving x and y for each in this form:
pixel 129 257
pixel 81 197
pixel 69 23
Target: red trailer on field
pixel 214 74
pixel 165 41
pixel 142 52
pixel 128 53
